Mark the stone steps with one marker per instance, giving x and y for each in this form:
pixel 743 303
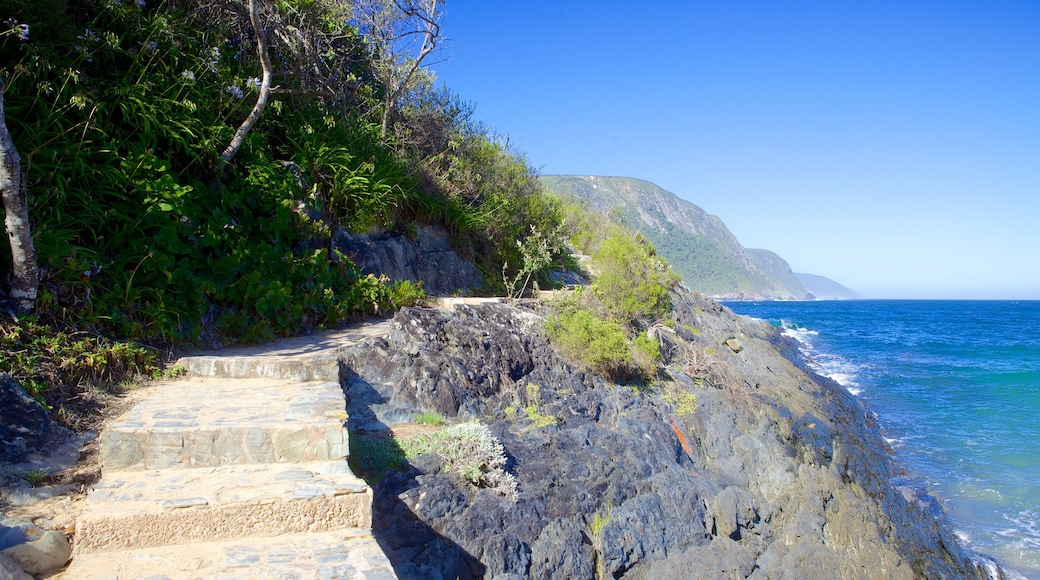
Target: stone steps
pixel 138 509
pixel 326 555
pixel 208 422
pixel 237 470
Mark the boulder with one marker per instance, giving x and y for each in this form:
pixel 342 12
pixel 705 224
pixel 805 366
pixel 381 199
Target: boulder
pixel 47 553
pixel 425 256
pixel 25 426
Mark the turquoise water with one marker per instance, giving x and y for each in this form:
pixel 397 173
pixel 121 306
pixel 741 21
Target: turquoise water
pixel 956 387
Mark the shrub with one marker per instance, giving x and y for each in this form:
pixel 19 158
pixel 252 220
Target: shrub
pixel 470 450
pixel 633 282
pixel 646 353
pixel 596 344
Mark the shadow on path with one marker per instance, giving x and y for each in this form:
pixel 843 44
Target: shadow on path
pixel 414 548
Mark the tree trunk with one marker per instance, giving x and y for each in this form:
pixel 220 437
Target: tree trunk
pixel 25 275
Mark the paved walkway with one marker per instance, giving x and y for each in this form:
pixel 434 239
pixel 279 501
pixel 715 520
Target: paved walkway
pixel 237 470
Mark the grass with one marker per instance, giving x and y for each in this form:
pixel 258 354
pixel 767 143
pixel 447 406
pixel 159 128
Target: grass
pixel 37 476
pixel 431 418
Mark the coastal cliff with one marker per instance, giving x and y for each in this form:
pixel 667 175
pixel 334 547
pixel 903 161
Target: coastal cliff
pixel 736 461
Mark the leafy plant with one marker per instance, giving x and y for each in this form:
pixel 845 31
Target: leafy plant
pixel 470 450
pixel 597 344
pixel 36 477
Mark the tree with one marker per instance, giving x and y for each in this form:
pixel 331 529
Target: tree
pixel 402 33
pixel 25 275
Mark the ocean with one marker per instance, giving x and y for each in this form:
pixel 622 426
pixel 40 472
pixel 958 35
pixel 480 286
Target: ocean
pixel 956 388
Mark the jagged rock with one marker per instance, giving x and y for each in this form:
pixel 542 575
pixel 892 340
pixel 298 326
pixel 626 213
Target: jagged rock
pixel 428 257
pixel 25 427
pixel 776 473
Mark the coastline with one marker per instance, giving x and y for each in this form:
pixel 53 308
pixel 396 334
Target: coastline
pixel 930 397
pixel 771 468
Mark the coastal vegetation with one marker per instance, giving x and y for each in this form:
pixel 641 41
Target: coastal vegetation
pixel 607 328
pixel 188 163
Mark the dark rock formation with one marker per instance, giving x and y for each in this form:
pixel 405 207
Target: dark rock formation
pixel 427 256
pixel 25 427
pixel 775 472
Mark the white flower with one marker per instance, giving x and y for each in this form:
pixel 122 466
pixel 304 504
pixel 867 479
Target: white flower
pixel 235 91
pixel 188 75
pixel 253 82
pixel 214 59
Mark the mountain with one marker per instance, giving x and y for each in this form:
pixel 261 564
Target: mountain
pixel 827 289
pixel 697 245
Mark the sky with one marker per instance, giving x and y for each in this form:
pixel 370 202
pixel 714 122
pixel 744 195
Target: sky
pixel 893 147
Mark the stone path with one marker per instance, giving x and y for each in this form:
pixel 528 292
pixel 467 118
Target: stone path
pixel 237 470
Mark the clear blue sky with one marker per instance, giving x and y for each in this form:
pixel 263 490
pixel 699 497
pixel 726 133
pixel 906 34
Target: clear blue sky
pixel 892 146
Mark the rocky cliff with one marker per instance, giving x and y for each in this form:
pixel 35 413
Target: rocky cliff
pixel 697 245
pixel 737 462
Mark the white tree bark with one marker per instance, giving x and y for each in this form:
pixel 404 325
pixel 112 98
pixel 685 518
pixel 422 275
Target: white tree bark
pixel 25 274
pixel 265 86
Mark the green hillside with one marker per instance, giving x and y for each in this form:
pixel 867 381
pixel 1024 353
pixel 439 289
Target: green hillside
pixel 698 246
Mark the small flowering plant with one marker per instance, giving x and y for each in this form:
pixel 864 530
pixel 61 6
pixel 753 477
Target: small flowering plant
pixel 17 29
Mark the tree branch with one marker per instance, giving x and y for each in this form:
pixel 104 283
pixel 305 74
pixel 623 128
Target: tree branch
pixel 265 86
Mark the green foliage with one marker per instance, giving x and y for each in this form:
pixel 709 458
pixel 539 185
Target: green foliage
pixel 119 113
pixel 683 402
pixel 429 418
pixel 596 344
pixel 406 293
pixel 36 476
pixel 373 457
pixel 142 232
pixel 646 353
pixel 45 359
pixel 632 281
pixel 537 251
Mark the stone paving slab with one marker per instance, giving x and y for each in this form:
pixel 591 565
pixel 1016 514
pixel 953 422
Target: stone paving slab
pixel 206 422
pixel 160 507
pixel 237 471
pixel 352 554
pixel 303 358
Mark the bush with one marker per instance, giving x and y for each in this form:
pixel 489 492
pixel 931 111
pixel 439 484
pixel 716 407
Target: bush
pixel 596 344
pixel 647 353
pixel 633 282
pixel 470 450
